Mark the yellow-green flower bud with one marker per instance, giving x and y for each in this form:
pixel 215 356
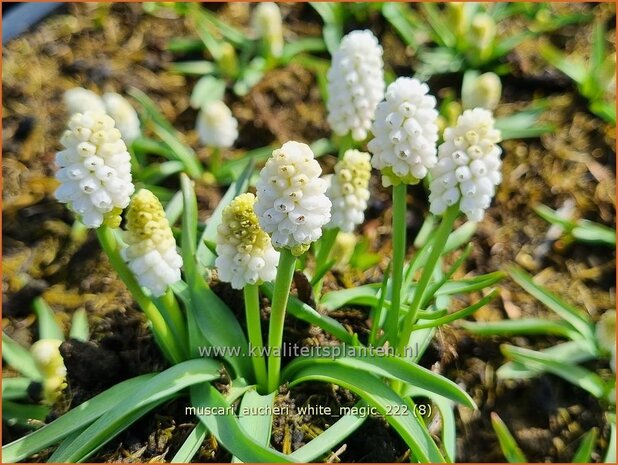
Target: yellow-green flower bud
pixel 482 35
pixel 49 362
pixel 483 91
pixel 151 253
pixel 268 25
pixel 245 253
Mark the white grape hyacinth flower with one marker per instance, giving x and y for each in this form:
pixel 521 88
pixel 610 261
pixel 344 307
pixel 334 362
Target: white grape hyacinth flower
pixel 216 126
pixel 151 253
pixel 348 190
pixel 94 169
pixel 291 203
pixel 123 114
pixel 245 252
pixel 468 168
pixel 355 84
pixel 406 133
pixel 268 24
pixel 80 100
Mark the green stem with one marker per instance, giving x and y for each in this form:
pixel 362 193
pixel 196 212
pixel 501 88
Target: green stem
pixel 329 237
pixel 281 291
pixel 215 161
pixel 346 143
pixel 254 329
pixel 162 332
pixel 168 305
pixel 399 253
pixel 439 241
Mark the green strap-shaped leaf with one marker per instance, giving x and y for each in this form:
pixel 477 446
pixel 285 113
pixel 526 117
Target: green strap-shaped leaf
pixel 387 366
pixel 377 394
pixel 160 388
pixel 15 388
pixel 509 446
pixel 213 317
pixel 23 414
pixel 191 445
pixel 79 326
pixel 565 311
pixel 227 429
pixel 48 326
pixel 586 447
pixel 574 374
pixel 335 434
pixel 19 358
pixel 256 417
pixel 524 326
pixel 73 420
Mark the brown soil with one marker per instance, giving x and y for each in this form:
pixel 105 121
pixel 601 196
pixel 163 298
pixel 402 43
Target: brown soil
pixel 111 47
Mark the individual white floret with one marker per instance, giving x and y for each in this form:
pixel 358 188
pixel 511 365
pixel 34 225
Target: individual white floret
pixel 268 25
pixel 80 100
pixel 216 126
pixel 355 84
pixel 245 253
pixel 348 190
pixel 123 114
pixel 95 169
pixel 151 253
pixel 468 168
pixel 291 203
pixel 405 133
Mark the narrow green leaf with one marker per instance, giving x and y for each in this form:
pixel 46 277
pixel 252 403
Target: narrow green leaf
pixel 306 44
pixel 154 173
pixel 79 326
pixel 19 358
pixel 522 327
pixel 199 68
pixel 411 429
pixel 160 388
pixel 574 374
pixel 382 366
pixel 595 233
pixel 15 388
pixel 586 447
pixel 74 419
pixel 256 417
pixel 442 30
pixel 458 314
pixel 48 326
pixel 191 445
pixel 228 431
pixel 610 455
pixel 509 446
pixel 335 434
pixel 24 415
pixel 565 311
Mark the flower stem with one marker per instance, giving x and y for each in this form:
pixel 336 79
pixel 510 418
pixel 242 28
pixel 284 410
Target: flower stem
pixel 215 161
pixel 329 237
pixel 281 291
pixel 254 329
pixel 346 143
pixel 161 331
pixel 399 253
pixel 439 241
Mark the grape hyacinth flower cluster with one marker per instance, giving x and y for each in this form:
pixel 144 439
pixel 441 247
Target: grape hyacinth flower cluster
pixel 245 253
pixel 355 84
pixel 216 126
pixel 291 202
pixel 406 132
pixel 348 190
pixel 95 170
pixel 151 253
pixel 268 25
pixel 468 168
pixel 80 100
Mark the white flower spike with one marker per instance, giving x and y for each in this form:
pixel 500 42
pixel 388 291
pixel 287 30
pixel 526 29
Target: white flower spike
pixel 406 132
pixel 355 84
pixel 216 126
pixel 291 202
pixel 268 25
pixel 49 362
pixel 245 253
pixel 80 100
pixel 151 253
pixel 95 170
pixel 469 164
pixel 348 190
pixel 123 113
